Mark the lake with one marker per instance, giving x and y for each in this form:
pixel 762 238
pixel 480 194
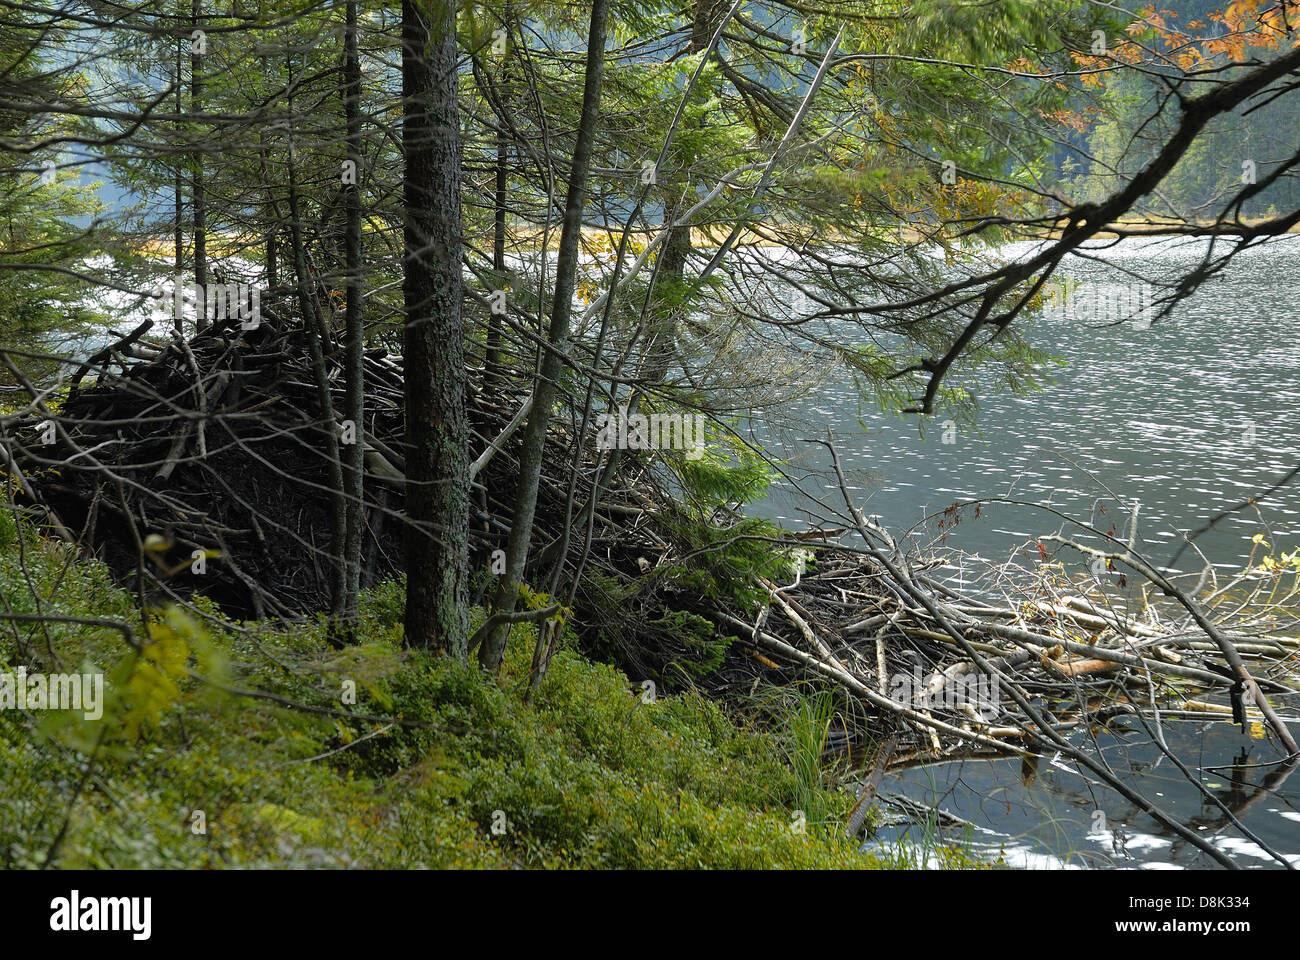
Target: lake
pixel 1188 417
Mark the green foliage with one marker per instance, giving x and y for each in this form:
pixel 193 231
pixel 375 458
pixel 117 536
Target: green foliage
pixel 809 723
pixel 704 648
pixel 723 562
pixel 982 32
pixel 727 473
pixel 414 774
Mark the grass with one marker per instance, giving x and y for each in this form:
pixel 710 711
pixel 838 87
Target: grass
pixel 447 767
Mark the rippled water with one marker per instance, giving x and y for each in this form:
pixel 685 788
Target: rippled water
pixel 1048 813
pixel 1189 416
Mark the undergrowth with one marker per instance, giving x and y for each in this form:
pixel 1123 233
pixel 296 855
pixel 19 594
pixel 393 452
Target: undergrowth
pixel 226 744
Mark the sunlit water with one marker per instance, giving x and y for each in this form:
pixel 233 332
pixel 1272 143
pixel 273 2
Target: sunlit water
pixel 1052 814
pixel 1189 417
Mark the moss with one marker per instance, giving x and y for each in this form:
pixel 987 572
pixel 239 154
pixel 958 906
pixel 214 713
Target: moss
pixel 449 768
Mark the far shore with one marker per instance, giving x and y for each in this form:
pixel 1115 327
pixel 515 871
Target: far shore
pixel 710 238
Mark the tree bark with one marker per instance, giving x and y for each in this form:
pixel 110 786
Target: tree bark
pixel 492 352
pixel 534 440
pixel 492 358
pixel 354 325
pixel 437 432
pixel 178 196
pixel 669 282
pixel 200 195
pixel 314 326
pixel 273 218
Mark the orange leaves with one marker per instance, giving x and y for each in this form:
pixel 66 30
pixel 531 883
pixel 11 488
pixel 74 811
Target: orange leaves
pixel 1087 63
pixel 1128 53
pixel 1250 23
pixel 1142 23
pixel 971 198
pixel 1093 69
pixel 1232 46
pixel 1067 118
pixel 1240 13
pixel 1241 26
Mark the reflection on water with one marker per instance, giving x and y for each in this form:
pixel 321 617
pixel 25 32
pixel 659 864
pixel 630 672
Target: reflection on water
pixel 1047 813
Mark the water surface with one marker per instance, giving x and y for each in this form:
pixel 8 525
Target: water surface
pixel 1188 417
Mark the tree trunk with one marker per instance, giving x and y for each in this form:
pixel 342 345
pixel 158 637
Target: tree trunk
pixel 670 279
pixel 272 262
pixel 178 187
pixel 354 325
pixel 200 197
pixel 314 326
pixel 492 353
pixel 534 441
pixel 437 433
pixel 492 359
pixel 273 218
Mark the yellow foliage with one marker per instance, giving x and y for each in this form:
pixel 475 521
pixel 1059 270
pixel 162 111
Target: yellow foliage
pixel 152 687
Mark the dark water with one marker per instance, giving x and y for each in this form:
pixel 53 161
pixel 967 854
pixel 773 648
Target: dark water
pixel 1063 816
pixel 1188 417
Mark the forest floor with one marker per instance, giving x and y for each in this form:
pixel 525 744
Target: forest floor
pixel 434 765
